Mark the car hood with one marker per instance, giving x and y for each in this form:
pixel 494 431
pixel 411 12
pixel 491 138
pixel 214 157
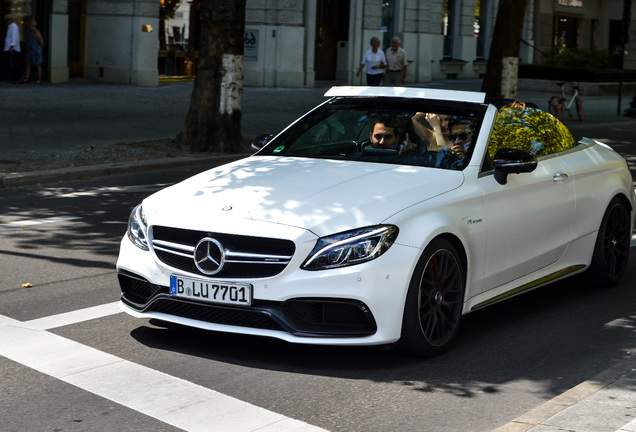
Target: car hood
pixel 323 196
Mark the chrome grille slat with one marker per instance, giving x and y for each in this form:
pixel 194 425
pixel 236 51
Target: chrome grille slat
pixel 257 258
pixel 248 258
pixel 172 251
pixel 169 245
pixel 245 256
pixel 257 262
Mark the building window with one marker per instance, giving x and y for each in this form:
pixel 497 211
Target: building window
pixel 593 34
pixel 572 3
pixel 479 27
pixel 448 26
pixel 18 8
pixel 388 22
pixel 566 32
pixel 616 42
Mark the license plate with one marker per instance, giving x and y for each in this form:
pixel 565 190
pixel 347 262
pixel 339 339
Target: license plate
pixel 211 291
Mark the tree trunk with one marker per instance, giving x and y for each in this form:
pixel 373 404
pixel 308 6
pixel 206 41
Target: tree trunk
pixel 505 44
pixel 213 123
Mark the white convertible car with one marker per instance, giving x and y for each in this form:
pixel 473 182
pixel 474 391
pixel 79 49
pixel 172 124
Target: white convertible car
pixel 380 218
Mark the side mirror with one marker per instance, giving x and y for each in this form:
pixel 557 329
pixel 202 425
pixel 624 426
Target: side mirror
pixel 512 161
pixel 261 141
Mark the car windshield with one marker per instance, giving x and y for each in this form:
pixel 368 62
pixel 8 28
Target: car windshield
pixel 426 133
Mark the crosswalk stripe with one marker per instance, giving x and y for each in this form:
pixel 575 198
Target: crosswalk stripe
pixel 74 317
pixel 32 222
pixel 171 400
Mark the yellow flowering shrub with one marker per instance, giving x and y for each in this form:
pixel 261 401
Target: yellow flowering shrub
pixel 529 129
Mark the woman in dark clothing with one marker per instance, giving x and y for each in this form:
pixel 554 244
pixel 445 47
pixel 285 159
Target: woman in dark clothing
pixel 34 44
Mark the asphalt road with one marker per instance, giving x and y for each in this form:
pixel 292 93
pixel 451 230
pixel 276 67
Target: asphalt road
pixel 63 238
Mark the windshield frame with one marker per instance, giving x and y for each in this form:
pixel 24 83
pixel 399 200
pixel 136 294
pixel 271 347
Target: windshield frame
pixel 287 143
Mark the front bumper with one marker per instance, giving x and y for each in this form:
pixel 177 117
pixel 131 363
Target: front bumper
pixel 303 317
pixel 357 305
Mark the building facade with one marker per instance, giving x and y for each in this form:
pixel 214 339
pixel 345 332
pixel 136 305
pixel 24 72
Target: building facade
pixel 584 24
pixel 299 42
pixel 295 43
pixel 110 40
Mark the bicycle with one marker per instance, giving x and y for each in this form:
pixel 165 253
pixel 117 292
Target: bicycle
pixel 558 104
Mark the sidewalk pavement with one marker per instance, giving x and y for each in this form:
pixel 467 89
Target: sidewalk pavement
pixel 84 129
pixel 604 403
pixel 87 129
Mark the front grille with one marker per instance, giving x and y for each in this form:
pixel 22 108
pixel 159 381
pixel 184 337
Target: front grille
pixel 136 290
pixel 252 318
pixel 330 316
pixel 245 256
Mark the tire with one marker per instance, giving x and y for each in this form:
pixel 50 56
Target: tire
pixel 434 301
pixel 579 109
pixel 556 107
pixel 611 251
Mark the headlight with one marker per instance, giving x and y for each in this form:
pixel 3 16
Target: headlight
pixel 138 228
pixel 351 247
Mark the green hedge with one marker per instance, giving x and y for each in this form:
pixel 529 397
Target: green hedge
pixel 576 65
pixel 572 74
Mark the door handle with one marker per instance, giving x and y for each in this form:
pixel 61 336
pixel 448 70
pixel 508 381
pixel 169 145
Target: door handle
pixel 560 176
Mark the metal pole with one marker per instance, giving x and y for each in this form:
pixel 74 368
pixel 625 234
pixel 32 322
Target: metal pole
pixel 620 83
pixel 627 14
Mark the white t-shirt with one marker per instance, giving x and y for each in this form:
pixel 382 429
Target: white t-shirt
pixel 13 38
pixel 374 59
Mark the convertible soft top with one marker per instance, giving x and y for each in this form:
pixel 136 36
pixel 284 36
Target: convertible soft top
pixel 408 92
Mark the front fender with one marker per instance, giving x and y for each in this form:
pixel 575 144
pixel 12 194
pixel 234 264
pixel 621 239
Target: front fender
pixel 457 215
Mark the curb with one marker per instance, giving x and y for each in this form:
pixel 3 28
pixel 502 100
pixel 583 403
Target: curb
pixel 540 415
pixel 11 180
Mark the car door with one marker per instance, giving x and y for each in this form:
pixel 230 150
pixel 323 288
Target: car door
pixel 528 220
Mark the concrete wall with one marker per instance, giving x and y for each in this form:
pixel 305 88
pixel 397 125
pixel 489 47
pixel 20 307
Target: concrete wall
pixel 58 42
pixel 279 26
pixel 122 41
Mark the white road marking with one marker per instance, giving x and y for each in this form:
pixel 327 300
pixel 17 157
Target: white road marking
pixel 60 192
pixel 32 222
pixel 74 317
pixel 171 400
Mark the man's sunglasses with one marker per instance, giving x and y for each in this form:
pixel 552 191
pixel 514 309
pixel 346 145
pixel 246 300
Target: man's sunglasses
pixel 462 136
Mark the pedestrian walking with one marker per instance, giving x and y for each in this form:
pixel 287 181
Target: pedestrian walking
pixel 396 63
pixel 34 45
pixel 12 49
pixel 375 62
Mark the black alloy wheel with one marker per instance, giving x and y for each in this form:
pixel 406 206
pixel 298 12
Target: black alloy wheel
pixel 611 251
pixel 434 301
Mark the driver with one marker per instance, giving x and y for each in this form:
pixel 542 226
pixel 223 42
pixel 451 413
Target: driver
pixel 385 136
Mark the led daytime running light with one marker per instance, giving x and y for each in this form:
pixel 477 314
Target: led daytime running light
pixel 350 248
pixel 138 228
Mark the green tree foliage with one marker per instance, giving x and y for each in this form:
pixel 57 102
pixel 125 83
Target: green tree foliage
pixel 529 129
pixel 168 8
pixel 578 58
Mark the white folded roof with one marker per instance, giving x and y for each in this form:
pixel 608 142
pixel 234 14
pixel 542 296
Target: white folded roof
pixel 407 92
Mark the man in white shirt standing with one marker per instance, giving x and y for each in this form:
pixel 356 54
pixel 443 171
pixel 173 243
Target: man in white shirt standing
pixel 12 49
pixel 396 63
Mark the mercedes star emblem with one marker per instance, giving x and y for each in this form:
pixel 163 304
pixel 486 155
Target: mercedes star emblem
pixel 209 256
